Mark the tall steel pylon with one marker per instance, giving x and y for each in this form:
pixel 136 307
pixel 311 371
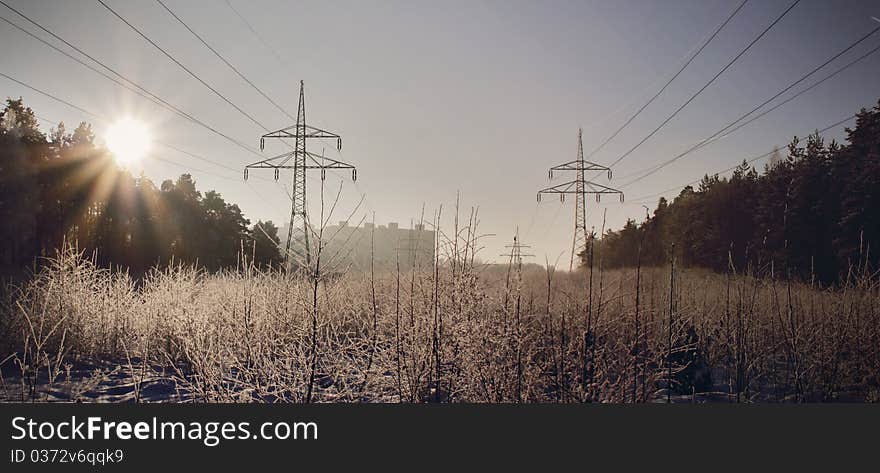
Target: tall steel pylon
pixel 580 187
pixel 303 160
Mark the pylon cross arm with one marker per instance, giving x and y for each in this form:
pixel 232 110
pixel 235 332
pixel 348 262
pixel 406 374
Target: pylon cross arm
pixel 594 188
pixel 564 188
pixel 322 162
pixel 580 166
pixel 587 187
pixel 273 162
pixel 292 132
pixel 317 162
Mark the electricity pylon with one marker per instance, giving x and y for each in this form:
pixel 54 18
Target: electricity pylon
pixel 516 255
pixel 302 160
pixel 580 187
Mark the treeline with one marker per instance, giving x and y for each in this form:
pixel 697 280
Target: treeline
pixel 813 214
pixel 63 188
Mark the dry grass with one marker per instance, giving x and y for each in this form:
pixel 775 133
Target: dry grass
pixel 460 332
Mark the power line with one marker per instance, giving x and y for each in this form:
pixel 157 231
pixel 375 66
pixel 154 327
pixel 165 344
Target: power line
pixel 163 102
pixel 303 160
pixel 255 33
pixel 281 62
pixel 184 166
pixel 662 89
pixel 188 71
pixel 700 91
pixel 816 84
pixel 709 140
pixel 97 71
pixel 157 158
pixel 190 168
pixel 201 158
pixel 78 60
pixel 47 94
pixel 580 187
pixel 234 69
pixel 93 69
pixel 749 161
pixel 107 120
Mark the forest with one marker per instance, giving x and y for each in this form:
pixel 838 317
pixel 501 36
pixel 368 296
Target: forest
pixel 65 188
pixel 812 211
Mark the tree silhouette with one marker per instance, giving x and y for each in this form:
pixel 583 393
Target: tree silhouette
pixel 65 188
pixel 812 212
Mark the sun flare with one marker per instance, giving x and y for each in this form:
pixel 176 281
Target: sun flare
pixel 129 140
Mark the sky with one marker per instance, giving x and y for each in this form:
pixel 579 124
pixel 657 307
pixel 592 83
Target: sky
pixel 436 100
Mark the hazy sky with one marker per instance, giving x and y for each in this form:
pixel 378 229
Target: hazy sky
pixel 437 97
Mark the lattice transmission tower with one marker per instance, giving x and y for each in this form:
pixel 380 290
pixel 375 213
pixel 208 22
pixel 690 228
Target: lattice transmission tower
pixel 516 255
pixel 516 258
pixel 580 187
pixel 300 160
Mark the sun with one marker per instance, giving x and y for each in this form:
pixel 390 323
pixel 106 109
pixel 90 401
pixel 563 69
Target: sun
pixel 129 140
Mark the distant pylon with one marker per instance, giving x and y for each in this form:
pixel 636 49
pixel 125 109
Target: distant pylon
pixel 580 187
pixel 516 256
pixel 303 160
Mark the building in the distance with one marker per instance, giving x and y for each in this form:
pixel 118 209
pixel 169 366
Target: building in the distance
pixel 349 246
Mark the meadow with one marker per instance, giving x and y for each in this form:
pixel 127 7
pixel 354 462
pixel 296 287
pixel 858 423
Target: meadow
pixel 456 331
